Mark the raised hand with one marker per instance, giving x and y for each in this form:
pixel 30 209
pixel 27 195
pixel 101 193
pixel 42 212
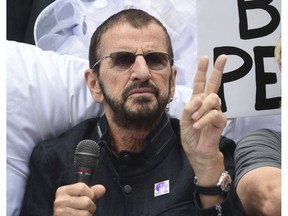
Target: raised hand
pixel 202 123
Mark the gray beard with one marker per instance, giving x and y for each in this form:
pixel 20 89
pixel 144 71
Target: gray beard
pixel 146 118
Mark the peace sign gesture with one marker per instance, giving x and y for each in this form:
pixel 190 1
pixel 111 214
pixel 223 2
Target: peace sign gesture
pixel 202 123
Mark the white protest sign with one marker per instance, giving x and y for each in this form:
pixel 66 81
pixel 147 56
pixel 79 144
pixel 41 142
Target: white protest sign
pixel 247 32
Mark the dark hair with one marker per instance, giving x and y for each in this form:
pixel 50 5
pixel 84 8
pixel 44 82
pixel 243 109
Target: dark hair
pixel 134 17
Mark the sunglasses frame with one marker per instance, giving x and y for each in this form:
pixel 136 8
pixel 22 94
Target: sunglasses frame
pixel 170 59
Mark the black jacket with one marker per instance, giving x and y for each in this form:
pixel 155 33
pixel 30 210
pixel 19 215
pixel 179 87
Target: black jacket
pixel 130 179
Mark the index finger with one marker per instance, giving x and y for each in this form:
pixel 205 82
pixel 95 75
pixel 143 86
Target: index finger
pixel 216 75
pixel 200 77
pixel 77 189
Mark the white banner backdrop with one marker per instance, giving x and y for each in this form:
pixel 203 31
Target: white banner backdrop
pixel 247 32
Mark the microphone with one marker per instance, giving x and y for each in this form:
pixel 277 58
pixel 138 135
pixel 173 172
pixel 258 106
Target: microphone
pixel 86 159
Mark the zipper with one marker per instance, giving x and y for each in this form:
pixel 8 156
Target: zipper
pixel 219 210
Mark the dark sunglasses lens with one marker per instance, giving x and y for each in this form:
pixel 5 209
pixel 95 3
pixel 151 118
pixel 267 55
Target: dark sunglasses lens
pixel 156 60
pixel 122 60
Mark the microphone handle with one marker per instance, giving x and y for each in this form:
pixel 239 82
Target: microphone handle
pixel 84 177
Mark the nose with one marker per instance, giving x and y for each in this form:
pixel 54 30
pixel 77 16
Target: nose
pixel 140 70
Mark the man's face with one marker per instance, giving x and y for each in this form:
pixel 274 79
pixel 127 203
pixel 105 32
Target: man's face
pixel 138 94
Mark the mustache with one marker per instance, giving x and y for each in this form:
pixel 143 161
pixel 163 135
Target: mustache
pixel 133 86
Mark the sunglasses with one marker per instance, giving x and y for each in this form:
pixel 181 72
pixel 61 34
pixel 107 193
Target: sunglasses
pixel 123 61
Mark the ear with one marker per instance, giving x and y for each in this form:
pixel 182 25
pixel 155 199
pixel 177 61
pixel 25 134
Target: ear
pixel 173 82
pixel 93 85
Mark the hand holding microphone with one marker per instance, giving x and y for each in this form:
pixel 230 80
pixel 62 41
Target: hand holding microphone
pixel 72 199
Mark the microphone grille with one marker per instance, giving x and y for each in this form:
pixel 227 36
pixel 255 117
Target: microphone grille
pixel 86 154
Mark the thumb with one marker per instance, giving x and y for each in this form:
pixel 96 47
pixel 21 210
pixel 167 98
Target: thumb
pixel 99 190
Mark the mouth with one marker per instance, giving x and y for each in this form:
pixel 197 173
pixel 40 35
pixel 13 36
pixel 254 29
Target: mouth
pixel 141 91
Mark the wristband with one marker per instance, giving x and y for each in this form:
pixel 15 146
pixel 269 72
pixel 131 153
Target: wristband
pixel 222 187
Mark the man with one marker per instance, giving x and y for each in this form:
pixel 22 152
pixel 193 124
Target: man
pixel 133 77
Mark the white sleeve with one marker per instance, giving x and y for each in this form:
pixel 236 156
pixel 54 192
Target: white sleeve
pixel 239 127
pixel 46 95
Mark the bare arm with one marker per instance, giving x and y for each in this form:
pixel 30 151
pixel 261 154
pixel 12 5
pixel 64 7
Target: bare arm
pixel 260 191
